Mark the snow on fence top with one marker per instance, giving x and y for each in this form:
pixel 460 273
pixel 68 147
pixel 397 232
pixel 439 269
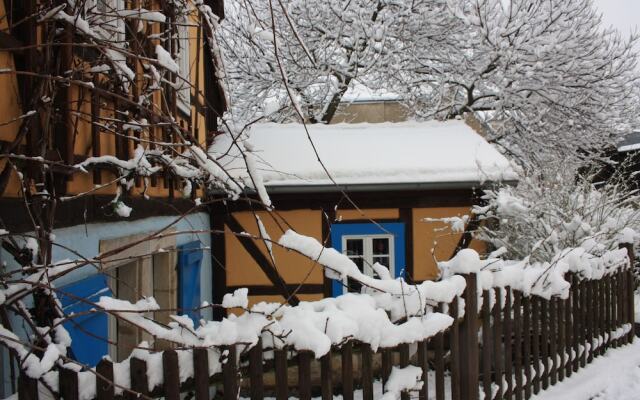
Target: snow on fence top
pixel 366 154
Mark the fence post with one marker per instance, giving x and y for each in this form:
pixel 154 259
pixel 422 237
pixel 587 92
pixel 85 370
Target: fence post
pixel 104 381
pixel 255 371
pixel 470 369
pixel 628 288
pixel 171 374
pixel 229 374
pixel 27 387
pixel 68 384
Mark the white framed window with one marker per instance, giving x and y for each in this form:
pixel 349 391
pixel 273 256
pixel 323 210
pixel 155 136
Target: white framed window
pixel 183 83
pixel 105 19
pixel 366 250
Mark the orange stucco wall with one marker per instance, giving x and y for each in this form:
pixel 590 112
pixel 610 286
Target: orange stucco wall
pixel 432 242
pixel 295 268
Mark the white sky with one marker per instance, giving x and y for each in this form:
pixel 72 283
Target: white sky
pixel 622 14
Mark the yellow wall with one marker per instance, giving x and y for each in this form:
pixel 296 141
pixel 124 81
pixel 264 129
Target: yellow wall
pixel 243 270
pixel 371 213
pixel 434 241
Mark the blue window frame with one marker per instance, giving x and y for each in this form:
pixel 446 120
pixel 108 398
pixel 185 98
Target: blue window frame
pixel 394 230
pixel 89 332
pixel 189 261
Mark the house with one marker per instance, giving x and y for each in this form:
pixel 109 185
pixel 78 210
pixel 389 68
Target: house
pixel 380 194
pixel 124 77
pixel 362 104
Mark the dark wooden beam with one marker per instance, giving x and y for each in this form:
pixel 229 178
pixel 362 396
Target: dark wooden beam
pixel 269 270
pixel 218 265
pixel 406 216
pixel 90 209
pixel 10 43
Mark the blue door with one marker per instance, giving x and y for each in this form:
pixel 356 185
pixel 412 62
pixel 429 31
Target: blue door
pixel 363 232
pixel 89 332
pixel 189 260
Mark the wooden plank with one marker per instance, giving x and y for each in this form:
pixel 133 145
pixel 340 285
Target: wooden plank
pixel 68 383
pixel 347 371
pixel 438 345
pixel 561 339
pixel 584 316
pixel 607 311
pixel 138 373
pixel 526 344
pixel 423 362
pixel 304 375
pixel 568 333
pixel 367 371
pixel 602 317
pixel 517 344
pixel 553 341
pixel 497 344
pixel 27 387
pixel 403 350
pixel 590 320
pixel 256 372
pixel 469 373
pixel 630 301
pixel 104 381
pixel 487 341
pixel 535 343
pixel 544 342
pixel 229 375
pixel 576 320
pixel 282 379
pixel 508 336
pixel 455 348
pixel 326 371
pixel 171 374
pixel 387 362
pixel 201 373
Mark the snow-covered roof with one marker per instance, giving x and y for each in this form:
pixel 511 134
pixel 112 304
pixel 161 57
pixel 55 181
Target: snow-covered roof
pixel 358 92
pixel 359 155
pixel 630 143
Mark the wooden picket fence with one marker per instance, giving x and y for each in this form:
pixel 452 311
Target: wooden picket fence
pixel 526 345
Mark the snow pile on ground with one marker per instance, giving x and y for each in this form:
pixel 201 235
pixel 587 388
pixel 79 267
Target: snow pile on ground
pixel 407 152
pixel 614 376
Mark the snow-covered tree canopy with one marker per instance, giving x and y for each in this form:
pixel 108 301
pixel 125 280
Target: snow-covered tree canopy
pixel 542 75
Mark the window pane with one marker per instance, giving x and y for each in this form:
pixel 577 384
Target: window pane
pixel 381 246
pixel 355 247
pixel 359 261
pixel 381 260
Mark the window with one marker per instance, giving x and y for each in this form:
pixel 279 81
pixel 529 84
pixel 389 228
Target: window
pixel 183 81
pixel 147 269
pixel 104 18
pixel 366 250
pixel 369 243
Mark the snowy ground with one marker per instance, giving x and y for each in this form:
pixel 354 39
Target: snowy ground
pixel 614 376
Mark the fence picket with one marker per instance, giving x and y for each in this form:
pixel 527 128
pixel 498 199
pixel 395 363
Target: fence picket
pixel 517 343
pixel 68 384
pixel 403 350
pixel 535 343
pixel 138 372
pixel 553 341
pixel 630 299
pixel 454 344
pixel 27 387
pixel 387 363
pixel 304 375
pixel 282 378
pixel 367 372
pixel 508 336
pixel 526 345
pixel 544 342
pixel 469 374
pixel 568 330
pixel 423 362
pixel 347 371
pixel 326 371
pixel 171 374
pixel 487 341
pixel 201 373
pixel 497 344
pixel 104 380
pixel 256 372
pixel 438 343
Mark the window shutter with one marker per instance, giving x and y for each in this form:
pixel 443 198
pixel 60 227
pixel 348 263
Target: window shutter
pixel 189 261
pixel 85 347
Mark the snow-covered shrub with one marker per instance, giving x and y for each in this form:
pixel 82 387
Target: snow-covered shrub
pixel 548 212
